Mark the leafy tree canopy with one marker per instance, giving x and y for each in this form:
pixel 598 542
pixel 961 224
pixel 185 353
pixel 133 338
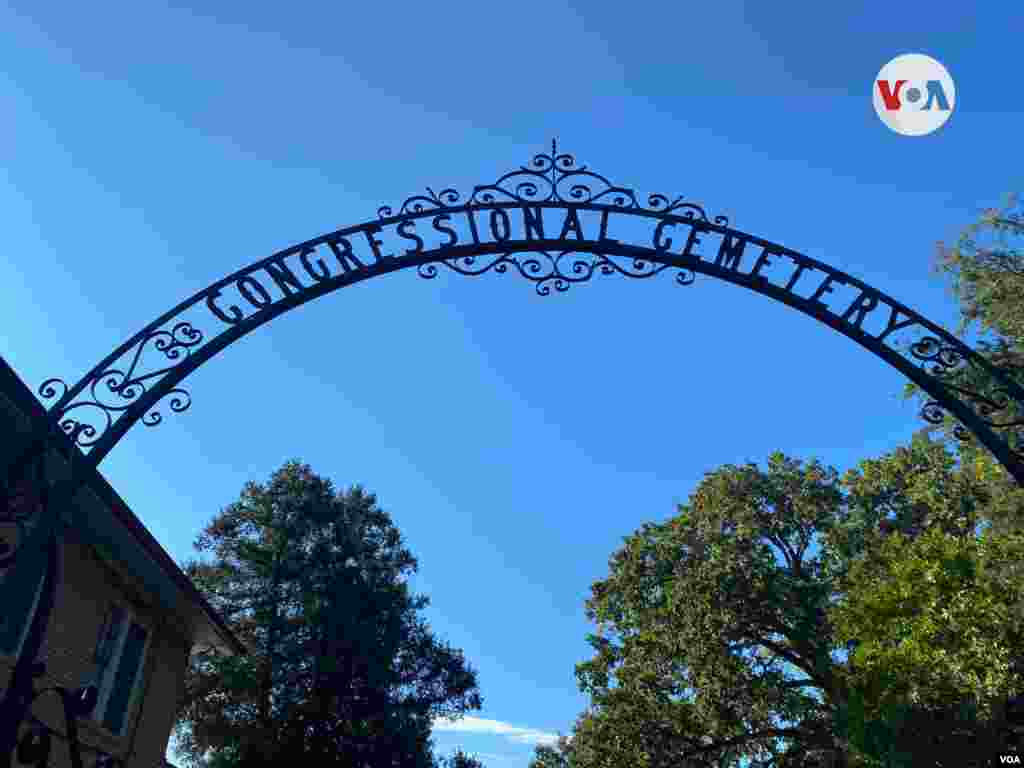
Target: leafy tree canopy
pixel 790 617
pixel 342 669
pixel 985 269
pixel 985 273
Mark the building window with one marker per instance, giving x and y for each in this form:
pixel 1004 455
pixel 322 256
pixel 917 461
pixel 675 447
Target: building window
pixel 120 650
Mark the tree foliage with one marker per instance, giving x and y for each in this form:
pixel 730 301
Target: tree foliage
pixel 460 759
pixel 560 755
pixel 711 644
pixel 790 617
pixel 984 270
pixel 342 669
pixel 930 595
pixel 932 605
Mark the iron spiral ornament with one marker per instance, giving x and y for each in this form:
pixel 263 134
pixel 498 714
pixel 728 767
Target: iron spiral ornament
pixel 113 390
pixel 545 269
pixel 995 407
pixel 553 177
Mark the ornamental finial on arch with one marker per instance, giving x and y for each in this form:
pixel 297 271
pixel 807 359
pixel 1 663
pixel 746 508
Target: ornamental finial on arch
pixel 553 177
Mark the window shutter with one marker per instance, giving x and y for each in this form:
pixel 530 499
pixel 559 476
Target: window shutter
pixel 124 682
pixel 19 585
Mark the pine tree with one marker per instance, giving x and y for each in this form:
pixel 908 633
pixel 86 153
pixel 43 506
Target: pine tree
pixel 342 668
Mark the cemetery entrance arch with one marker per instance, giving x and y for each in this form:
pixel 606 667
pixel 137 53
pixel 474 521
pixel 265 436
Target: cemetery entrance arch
pixel 556 224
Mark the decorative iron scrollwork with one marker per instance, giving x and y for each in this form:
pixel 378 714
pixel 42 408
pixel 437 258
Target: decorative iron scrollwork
pixel 114 391
pixel 475 236
pixel 553 178
pixel 936 414
pixel 548 273
pixel 994 408
pixel 442 200
pixel 939 358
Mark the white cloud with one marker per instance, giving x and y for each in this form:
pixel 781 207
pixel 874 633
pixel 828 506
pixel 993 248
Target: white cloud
pixel 497 728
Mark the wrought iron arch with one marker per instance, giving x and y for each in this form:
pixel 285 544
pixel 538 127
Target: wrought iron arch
pixel 506 227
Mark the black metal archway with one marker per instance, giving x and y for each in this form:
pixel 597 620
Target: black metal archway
pixel 514 215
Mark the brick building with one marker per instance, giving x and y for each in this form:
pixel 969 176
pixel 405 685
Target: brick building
pixel 125 616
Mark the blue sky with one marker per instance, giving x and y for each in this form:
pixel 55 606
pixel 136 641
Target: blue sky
pixel 149 149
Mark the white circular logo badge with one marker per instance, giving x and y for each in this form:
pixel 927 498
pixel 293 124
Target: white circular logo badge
pixel 914 94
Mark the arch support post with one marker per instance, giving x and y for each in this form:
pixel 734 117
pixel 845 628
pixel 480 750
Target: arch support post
pixel 32 504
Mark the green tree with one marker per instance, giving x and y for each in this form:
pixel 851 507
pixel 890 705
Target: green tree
pixel 931 605
pixel 937 611
pixel 892 639
pixel 790 617
pixel 713 642
pixel 560 755
pixel 459 759
pixel 984 270
pixel 549 757
pixel 342 669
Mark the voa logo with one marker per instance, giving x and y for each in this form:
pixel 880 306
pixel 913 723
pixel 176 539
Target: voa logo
pixel 1009 759
pixel 914 94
